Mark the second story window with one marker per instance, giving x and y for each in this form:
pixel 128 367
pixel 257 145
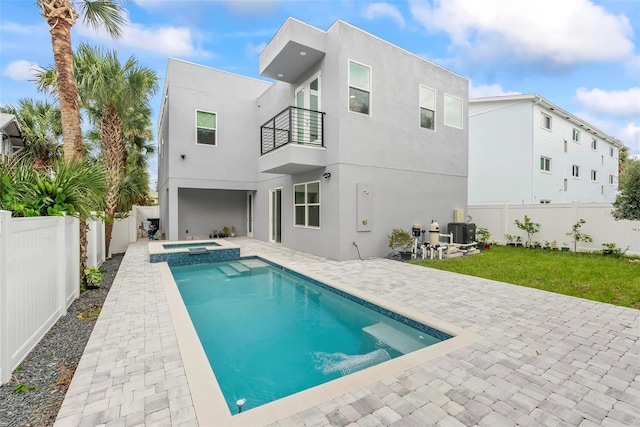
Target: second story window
pixel 359 88
pixel 575 171
pixel 545 164
pixel 611 180
pixel 427 107
pixel 546 121
pixel 576 135
pixel 452 111
pixel 206 128
pixel 611 152
pixel 594 144
pixel 594 175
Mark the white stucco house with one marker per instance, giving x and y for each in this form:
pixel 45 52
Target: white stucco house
pixel 347 137
pixel 525 149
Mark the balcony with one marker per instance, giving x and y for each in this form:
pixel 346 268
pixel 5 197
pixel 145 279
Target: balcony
pixel 293 142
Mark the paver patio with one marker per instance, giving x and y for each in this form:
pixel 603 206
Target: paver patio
pixel 545 359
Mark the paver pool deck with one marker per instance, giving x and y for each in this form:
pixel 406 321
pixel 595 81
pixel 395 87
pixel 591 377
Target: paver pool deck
pixel 544 359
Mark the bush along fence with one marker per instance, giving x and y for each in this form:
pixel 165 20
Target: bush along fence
pixel 555 224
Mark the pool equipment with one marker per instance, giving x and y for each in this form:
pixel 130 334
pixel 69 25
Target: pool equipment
pixel 240 403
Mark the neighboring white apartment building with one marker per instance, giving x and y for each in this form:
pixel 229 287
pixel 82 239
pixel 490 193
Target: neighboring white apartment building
pixel 12 141
pixel 352 137
pixel 525 149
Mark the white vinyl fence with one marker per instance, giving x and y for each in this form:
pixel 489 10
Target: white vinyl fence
pixel 40 273
pixel 39 279
pixel 556 220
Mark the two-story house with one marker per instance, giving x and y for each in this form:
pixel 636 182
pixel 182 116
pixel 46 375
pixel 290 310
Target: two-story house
pixel 525 149
pixel 354 137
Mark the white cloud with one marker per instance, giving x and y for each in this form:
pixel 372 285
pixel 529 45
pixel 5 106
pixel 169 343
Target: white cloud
pixel 20 70
pixel 255 50
pixel 549 32
pixel 385 10
pixel 166 40
pixel 488 90
pixel 619 103
pixel 630 136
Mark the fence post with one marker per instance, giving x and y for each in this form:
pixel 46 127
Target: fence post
pixel 61 265
pixel 505 216
pixel 74 274
pixel 5 370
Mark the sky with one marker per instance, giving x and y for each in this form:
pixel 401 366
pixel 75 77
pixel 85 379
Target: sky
pixel 582 55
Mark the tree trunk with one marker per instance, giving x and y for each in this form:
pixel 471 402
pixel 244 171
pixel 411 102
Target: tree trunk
pixel 84 229
pixel 61 16
pixel 112 148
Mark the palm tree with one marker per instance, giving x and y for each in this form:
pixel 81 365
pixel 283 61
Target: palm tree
pixel 61 15
pixel 42 129
pixel 113 93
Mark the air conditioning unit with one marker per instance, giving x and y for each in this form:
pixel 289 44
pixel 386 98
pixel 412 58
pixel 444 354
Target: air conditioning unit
pixel 463 232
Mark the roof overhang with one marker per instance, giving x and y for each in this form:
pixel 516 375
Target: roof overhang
pixel 294 49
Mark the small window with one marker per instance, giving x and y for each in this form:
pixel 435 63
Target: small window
pixel 566 146
pixel 427 107
pixel 611 152
pixel 359 88
pixel 545 201
pixel 565 185
pixel 545 164
pixel 594 144
pixel 611 179
pixel 575 171
pixel 307 204
pixel 452 111
pixel 546 121
pixel 594 175
pixel 206 128
pixel 576 135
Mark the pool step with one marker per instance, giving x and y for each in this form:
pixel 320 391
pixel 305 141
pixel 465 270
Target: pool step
pixel 255 265
pixel 239 267
pixel 393 338
pixel 229 271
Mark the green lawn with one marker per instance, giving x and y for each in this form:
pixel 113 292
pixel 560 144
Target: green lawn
pixel 592 276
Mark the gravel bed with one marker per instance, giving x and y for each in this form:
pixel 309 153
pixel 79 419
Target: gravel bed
pixel 47 370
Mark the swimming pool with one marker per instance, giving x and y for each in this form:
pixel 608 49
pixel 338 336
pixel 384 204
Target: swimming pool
pixel 269 332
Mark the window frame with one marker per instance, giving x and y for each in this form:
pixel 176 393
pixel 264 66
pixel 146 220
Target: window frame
pixel 203 127
pixel 368 90
pixel 545 164
pixel 594 175
pixel 575 171
pixel 306 204
pixel 420 107
pixel 575 135
pixel 594 144
pixel 461 111
pixel 546 117
pixel 612 152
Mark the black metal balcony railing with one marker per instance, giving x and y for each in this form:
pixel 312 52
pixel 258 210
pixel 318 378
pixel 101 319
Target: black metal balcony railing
pixel 292 125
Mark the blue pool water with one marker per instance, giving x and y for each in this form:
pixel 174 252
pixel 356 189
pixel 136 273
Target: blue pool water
pixel 269 332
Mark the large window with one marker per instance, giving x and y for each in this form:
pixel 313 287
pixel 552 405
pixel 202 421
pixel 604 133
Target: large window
pixel 575 171
pixel 206 128
pixel 452 111
pixel 545 164
pixel 359 88
pixel 427 107
pixel 307 204
pixel 546 121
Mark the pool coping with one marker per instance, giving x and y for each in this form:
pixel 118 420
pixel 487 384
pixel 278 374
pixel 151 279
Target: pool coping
pixel 209 402
pixel 157 247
